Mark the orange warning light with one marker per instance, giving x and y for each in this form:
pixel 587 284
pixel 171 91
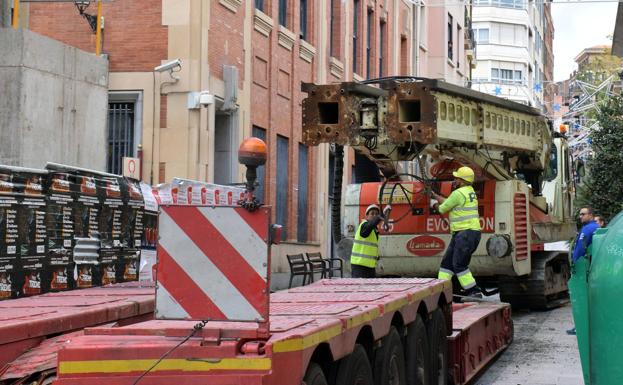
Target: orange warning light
pixel 252 152
pixel 563 128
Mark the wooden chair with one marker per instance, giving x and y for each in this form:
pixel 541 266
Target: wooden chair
pixel 330 265
pixel 299 266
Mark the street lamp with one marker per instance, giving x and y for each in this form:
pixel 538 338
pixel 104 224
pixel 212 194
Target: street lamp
pixel 82 5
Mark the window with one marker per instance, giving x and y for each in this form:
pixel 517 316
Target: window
pixel 356 10
pixel 423 25
pixel 518 4
pixel 503 33
pixel 382 33
pixel 506 75
pixel 482 36
pixel 369 44
pixel 450 39
pixel 404 56
pixel 283 12
pixel 301 228
pixel 282 184
pixel 538 42
pixel 506 34
pixel 259 4
pixel 303 20
pixel 260 190
pixel 120 134
pixel 552 171
pixel 335 30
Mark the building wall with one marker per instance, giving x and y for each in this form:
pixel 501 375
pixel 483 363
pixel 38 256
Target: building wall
pixel 549 88
pixel 271 61
pixel 53 104
pixel 438 62
pixel 516 41
pixel 136 23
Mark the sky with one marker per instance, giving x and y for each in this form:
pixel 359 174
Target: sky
pixel 579 26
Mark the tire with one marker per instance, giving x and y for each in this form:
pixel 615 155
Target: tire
pixel 355 368
pixel 314 375
pixel 389 361
pixel 417 367
pixel 438 346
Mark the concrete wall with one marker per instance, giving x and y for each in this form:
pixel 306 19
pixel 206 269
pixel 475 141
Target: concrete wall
pixel 54 102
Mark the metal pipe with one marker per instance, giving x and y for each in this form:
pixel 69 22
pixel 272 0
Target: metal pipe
pixel 15 22
pixel 98 32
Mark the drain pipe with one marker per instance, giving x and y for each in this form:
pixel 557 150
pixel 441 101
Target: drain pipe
pixel 416 19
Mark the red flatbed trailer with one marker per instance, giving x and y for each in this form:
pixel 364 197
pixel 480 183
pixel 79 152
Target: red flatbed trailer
pixel 320 323
pixel 342 331
pixel 32 329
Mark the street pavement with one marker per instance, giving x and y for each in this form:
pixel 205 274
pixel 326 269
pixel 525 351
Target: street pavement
pixel 541 354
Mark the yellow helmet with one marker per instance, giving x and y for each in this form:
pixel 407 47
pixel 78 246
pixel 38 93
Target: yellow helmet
pixel 465 173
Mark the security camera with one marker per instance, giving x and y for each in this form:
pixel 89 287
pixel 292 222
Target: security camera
pixel 169 66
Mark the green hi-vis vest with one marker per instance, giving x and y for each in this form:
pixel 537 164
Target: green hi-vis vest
pixel 465 217
pixel 365 250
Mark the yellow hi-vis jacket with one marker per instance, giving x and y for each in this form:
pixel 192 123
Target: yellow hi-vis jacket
pixel 365 250
pixel 463 207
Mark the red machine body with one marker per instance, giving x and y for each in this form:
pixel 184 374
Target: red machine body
pixel 408 221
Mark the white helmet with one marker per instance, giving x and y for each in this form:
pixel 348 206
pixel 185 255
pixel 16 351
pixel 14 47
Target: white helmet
pixel 372 206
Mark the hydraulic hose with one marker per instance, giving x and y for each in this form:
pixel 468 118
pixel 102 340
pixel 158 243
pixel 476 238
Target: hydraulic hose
pixel 336 206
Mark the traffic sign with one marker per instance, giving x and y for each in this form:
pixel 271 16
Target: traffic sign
pixel 131 167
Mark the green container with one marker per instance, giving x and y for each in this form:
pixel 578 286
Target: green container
pixel 598 307
pixel 578 290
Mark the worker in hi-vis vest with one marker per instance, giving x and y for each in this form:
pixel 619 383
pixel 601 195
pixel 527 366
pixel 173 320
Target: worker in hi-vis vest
pixel 365 250
pixel 462 206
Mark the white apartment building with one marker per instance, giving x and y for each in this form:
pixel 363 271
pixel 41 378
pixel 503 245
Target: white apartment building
pixel 510 49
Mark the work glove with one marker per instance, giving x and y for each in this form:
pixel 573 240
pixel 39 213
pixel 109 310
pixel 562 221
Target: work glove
pixel 386 211
pixel 433 203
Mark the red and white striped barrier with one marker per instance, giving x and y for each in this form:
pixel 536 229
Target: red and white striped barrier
pixel 213 264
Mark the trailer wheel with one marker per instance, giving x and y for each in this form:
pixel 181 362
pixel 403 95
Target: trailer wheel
pixel 355 368
pixel 438 345
pixel 314 375
pixel 389 363
pixel 417 366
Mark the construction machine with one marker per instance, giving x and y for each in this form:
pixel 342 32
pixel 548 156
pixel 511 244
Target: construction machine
pixel 217 323
pixel 416 131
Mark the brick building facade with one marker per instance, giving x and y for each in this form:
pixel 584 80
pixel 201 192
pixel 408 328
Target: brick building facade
pixel 251 57
pixel 549 85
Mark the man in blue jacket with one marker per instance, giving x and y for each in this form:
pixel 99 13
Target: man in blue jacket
pixel 584 238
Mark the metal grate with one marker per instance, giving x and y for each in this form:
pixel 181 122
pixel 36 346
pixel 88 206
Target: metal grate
pixel 120 134
pixel 521 227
